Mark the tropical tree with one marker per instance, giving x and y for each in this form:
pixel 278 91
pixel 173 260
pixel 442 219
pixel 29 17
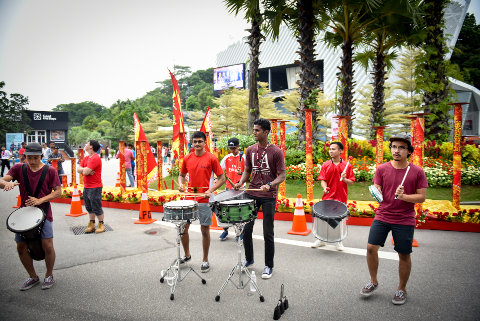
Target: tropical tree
pixel 394 27
pixel 253 15
pixel 13 119
pixel 432 78
pixel 345 23
pixel 405 86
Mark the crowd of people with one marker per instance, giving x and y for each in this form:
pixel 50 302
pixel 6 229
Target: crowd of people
pixel 263 165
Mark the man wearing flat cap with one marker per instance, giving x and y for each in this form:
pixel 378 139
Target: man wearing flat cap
pixel 402 184
pixel 51 189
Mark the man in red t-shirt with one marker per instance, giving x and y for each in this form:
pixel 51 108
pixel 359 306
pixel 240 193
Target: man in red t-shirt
pixel 233 165
pixel 334 179
pixel 402 184
pixel 21 153
pixel 91 168
pixel 200 166
pixel 50 190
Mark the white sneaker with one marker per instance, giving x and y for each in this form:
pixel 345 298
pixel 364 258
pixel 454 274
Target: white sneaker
pixel 340 246
pixel 318 243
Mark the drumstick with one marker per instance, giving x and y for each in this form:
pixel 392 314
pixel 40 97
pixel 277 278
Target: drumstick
pixel 192 194
pixel 403 180
pixel 345 169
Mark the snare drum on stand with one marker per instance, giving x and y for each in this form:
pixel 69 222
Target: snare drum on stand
pixel 330 223
pixel 179 213
pixel 28 222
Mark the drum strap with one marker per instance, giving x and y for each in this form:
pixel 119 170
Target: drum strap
pixel 39 185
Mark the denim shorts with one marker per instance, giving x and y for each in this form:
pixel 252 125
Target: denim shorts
pixel 47 232
pixel 93 200
pixel 205 214
pixel 402 235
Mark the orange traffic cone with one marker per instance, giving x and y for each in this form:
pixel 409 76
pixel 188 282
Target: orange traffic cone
pixel 214 225
pixel 117 184
pixel 76 205
pixel 145 215
pixel 414 242
pixel 299 224
pixel 19 202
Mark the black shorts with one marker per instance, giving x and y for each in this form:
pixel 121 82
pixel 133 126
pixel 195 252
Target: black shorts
pixel 93 200
pixel 402 235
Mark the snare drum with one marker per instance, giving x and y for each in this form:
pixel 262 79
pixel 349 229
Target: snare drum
pixel 181 211
pixel 330 224
pixel 28 222
pixel 227 195
pixel 375 193
pixel 235 211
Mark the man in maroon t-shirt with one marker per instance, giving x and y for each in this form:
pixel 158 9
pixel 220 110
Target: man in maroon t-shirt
pixel 402 184
pixel 50 190
pixel 265 162
pixel 91 168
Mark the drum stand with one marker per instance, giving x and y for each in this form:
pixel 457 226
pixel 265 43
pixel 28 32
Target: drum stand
pixel 239 268
pixel 173 275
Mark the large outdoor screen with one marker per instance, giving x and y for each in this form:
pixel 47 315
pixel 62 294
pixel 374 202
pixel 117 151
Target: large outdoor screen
pixel 227 77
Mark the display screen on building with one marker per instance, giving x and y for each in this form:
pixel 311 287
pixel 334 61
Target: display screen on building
pixel 227 77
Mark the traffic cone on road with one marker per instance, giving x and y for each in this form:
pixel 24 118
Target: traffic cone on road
pixel 145 215
pixel 117 183
pixel 214 225
pixel 414 242
pixel 76 205
pixel 19 202
pixel 299 224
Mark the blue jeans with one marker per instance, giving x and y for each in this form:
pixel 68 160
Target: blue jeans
pixel 130 176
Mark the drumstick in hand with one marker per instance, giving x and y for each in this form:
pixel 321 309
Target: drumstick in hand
pixel 346 166
pixel 403 180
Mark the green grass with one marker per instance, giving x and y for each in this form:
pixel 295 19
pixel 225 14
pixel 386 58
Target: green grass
pixel 359 191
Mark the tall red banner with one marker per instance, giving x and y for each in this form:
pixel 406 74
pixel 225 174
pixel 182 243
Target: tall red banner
pixel 419 139
pixel 121 158
pixel 139 164
pixel 457 153
pixel 309 153
pixel 159 165
pixel 282 190
pixel 273 132
pixel 151 172
pixel 413 121
pixel 343 134
pixel 379 152
pixel 207 129
pixel 73 162
pixel 80 159
pixel 178 126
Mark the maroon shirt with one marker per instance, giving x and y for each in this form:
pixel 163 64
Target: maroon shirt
pixel 264 169
pixel 51 181
pixel 394 211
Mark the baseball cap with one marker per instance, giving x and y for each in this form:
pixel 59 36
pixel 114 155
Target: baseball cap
pixel 233 142
pixel 403 138
pixel 33 149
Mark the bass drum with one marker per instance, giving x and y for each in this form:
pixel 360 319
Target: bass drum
pixel 28 222
pixel 330 223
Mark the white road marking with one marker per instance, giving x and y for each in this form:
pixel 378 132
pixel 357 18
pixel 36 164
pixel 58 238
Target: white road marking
pixel 348 250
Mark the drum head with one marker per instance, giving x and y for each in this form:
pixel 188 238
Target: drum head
pixel 24 219
pixel 377 196
pixel 180 204
pixel 330 209
pixel 236 202
pixel 228 195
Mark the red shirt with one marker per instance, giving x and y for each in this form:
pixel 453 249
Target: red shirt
pixel 94 163
pixel 394 211
pixel 21 152
pixel 230 163
pixel 51 181
pixel 128 157
pixel 331 173
pixel 200 169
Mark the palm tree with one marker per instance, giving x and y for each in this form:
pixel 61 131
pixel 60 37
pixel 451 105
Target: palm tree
pixel 254 16
pixel 347 20
pixel 396 27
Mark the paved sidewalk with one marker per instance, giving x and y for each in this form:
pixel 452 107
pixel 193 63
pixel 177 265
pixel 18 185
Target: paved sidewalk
pixel 115 275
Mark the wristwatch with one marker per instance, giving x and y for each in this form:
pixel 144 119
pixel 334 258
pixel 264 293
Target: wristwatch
pixel 270 185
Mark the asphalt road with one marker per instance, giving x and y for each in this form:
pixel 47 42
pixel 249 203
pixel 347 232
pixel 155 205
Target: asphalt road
pixel 115 275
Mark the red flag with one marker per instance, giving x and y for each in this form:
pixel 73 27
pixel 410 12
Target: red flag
pixel 178 127
pixel 151 163
pixel 207 129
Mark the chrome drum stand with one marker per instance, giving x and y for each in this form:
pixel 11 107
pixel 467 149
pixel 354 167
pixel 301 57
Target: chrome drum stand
pixel 173 274
pixel 239 268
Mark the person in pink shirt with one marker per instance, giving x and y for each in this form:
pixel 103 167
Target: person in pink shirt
pixel 128 165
